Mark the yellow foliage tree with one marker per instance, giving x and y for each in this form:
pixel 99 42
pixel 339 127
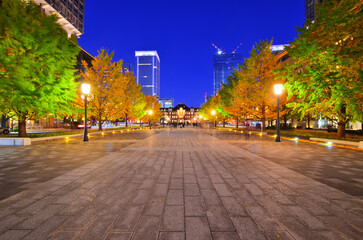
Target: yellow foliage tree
pixel 153 105
pixel 254 89
pixel 108 85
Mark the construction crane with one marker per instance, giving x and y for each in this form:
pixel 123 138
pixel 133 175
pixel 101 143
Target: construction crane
pixel 234 50
pixel 220 51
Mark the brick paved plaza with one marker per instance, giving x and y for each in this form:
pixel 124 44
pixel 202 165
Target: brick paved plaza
pixel 180 184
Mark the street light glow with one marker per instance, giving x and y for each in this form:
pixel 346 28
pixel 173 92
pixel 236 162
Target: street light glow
pixel 278 89
pixel 150 112
pixel 86 88
pixel 213 112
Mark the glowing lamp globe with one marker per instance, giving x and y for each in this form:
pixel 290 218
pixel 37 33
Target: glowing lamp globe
pixel 86 88
pixel 278 89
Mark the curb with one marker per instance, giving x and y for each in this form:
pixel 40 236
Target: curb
pixel 29 141
pixel 323 141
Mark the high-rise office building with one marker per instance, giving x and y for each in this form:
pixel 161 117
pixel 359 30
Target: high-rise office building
pixel 148 72
pixel 310 8
pixel 166 102
pixel 223 64
pixel 70 13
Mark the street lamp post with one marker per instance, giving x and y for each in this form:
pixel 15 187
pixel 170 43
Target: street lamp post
pixel 86 88
pixel 150 112
pixel 278 90
pixel 213 114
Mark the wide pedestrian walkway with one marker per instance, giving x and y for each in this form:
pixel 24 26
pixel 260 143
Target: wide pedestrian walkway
pixel 181 184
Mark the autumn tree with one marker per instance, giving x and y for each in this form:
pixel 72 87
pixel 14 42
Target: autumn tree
pixel 131 98
pixel 228 97
pixel 153 105
pixel 37 63
pixel 108 84
pixel 221 107
pixel 254 89
pixel 138 109
pixel 208 107
pixel 326 74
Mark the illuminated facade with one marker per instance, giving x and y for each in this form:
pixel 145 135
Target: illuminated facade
pixel 180 114
pixel 148 72
pixel 70 13
pixel 223 64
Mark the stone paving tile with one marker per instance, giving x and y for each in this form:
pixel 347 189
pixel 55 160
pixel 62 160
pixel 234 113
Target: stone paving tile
pixel 64 235
pixel 177 184
pixel 173 219
pixel 175 197
pixel 45 230
pixel 97 229
pixel 14 234
pixel 247 228
pixel 118 236
pixel 197 228
pixel 171 236
pixel 225 236
pixel 233 207
pixel 218 219
pixel 194 206
pixel 147 228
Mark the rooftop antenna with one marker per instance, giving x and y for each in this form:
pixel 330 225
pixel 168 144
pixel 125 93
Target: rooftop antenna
pixel 220 51
pixel 234 50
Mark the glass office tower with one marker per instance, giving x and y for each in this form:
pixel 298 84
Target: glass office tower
pixel 70 13
pixel 148 72
pixel 310 10
pixel 223 64
pixel 166 102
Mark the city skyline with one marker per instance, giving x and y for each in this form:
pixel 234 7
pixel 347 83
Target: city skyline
pixel 182 33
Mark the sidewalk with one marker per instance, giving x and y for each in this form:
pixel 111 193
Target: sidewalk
pixel 181 184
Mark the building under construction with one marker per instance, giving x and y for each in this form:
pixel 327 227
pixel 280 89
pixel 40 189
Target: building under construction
pixel 223 64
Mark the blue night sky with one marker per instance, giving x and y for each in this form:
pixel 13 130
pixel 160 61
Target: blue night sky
pixel 182 30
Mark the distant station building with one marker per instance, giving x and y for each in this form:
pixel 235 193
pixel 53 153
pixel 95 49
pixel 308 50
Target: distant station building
pixel 70 13
pixel 148 72
pixel 223 64
pixel 180 114
pixel 166 102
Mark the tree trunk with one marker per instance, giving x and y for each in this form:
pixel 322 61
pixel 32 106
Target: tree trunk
pixel 224 123
pixel 341 123
pixel 99 124
pixel 308 120
pixel 236 122
pixel 285 121
pixel 341 129
pixel 126 119
pixel 22 127
pixel 263 119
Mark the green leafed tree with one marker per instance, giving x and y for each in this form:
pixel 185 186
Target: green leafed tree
pixel 37 63
pixel 326 74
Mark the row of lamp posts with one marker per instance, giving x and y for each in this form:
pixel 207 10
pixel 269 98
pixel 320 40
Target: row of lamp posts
pixel 86 88
pixel 278 90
